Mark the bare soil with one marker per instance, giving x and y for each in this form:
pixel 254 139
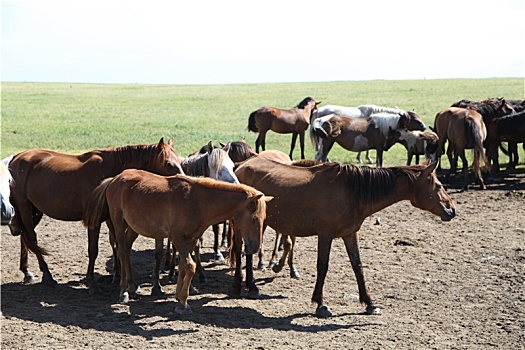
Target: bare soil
pixel 455 285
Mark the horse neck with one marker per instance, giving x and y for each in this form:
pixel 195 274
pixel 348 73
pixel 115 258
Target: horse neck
pixel 224 209
pixel 127 157
pixel 374 189
pixel 196 165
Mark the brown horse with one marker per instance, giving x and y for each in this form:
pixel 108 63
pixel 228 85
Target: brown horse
pixel 332 200
pixel 464 129
pixel 58 185
pixel 360 134
pixel 282 121
pixel 179 208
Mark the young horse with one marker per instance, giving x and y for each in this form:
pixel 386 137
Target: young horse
pixel 8 212
pixel 464 129
pixel 357 134
pixel 179 208
pixel 363 111
pixel 58 185
pixel 332 200
pixel 416 143
pixel 282 121
pixel 216 164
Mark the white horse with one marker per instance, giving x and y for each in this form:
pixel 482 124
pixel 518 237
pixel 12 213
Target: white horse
pixel 363 111
pixel 8 212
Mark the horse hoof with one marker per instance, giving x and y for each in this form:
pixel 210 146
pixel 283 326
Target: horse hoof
pixel 29 279
pixel 276 268
pixel 372 310
pixel 219 257
pixel 193 290
pixel 294 273
pixel 183 310
pixel 253 293
pixel 323 312
pixel 124 298
pixel 234 292
pixel 157 291
pixel 49 281
pixel 261 266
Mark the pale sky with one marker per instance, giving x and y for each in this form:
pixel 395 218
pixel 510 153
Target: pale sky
pixel 221 42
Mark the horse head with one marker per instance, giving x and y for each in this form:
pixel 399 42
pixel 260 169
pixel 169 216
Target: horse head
pixel 430 194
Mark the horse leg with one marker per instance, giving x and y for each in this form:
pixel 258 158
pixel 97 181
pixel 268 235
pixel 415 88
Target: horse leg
pixel 261 141
pixel 200 269
pixel 324 244
pixel 237 278
pixel 452 159
pixel 301 143
pixel 461 154
pixel 116 262
pixel 273 260
pixel 93 237
pixel 125 240
pixel 217 255
pixel 379 158
pixel 261 265
pixel 28 236
pixel 352 249
pixel 368 158
pixel 359 158
pixel 187 270
pixel 288 243
pixel 225 228
pixel 253 291
pixel 29 278
pixel 159 254
pixel 292 146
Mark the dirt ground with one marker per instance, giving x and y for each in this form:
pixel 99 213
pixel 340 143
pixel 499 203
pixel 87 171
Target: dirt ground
pixel 455 285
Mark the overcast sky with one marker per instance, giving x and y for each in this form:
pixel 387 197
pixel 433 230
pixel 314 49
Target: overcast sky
pixel 208 42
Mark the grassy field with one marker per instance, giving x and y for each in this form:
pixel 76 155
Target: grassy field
pixel 74 118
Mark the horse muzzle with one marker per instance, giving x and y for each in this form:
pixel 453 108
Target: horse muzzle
pixel 251 246
pixel 448 214
pixel 8 212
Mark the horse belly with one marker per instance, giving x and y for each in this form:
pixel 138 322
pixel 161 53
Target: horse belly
pixel 357 144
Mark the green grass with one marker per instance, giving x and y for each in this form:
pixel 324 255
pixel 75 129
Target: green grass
pixel 74 118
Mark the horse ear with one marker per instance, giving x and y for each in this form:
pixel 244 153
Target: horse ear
pixel 268 198
pixel 222 144
pixel 209 147
pixel 161 142
pixel 429 169
pixel 171 142
pixel 243 139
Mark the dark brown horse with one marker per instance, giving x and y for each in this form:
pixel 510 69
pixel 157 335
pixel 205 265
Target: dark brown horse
pixel 58 185
pixel 332 200
pixel 179 208
pixel 282 121
pixel 510 128
pixel 464 129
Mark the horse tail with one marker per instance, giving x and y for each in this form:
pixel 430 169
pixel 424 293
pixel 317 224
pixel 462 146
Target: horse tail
pixel 97 210
pixel 317 132
pixel 475 141
pixel 252 126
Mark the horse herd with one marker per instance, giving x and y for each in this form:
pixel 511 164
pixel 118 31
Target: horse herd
pixel 149 190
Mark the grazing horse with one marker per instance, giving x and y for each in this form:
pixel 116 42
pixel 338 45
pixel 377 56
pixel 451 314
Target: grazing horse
pixel 282 121
pixel 58 185
pixel 8 212
pixel 179 208
pixel 464 129
pixel 332 200
pixel 358 134
pixel 363 111
pixel 416 143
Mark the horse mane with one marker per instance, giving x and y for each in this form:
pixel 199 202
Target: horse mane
pixel 196 165
pixel 305 102
pixel 369 184
pixel 306 162
pixel 131 153
pixel 368 110
pixel 239 151
pixel 385 121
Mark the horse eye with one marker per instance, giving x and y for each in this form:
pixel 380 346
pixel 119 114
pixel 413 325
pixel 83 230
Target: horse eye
pixel 439 186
